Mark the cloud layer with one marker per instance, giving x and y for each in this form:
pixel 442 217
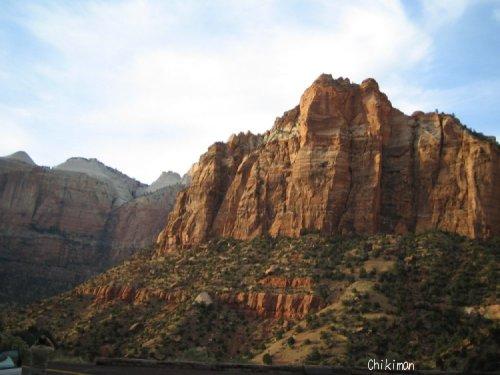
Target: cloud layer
pixel 147 86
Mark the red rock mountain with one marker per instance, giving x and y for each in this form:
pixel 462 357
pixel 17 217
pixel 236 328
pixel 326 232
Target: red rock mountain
pixel 342 161
pixel 60 226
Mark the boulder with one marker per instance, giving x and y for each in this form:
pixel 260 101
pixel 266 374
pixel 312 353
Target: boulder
pixel 203 299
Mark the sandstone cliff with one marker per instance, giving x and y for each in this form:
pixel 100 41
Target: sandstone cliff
pixel 136 224
pixel 343 161
pixel 59 227
pixel 263 304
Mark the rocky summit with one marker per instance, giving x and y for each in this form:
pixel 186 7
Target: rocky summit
pixel 343 161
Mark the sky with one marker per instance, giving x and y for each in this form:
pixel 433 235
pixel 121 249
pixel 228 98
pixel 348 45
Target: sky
pixel 147 86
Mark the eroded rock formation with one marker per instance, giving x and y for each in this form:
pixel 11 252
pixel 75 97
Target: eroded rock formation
pixel 128 294
pixel 269 305
pixel 264 304
pixel 343 161
pixel 59 227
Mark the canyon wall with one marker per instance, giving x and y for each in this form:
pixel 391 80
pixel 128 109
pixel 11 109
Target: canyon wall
pixel 59 227
pixel 343 161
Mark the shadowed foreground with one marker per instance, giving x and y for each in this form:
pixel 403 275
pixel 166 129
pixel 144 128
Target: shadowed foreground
pixel 151 367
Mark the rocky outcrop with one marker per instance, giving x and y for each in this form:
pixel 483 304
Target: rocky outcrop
pixel 284 282
pixel 128 294
pixel 21 156
pixel 166 179
pixel 203 299
pixel 123 187
pixel 276 306
pixel 343 161
pixel 59 227
pixel 262 304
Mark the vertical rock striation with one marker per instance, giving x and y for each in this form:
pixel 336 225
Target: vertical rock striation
pixel 59 227
pixel 343 161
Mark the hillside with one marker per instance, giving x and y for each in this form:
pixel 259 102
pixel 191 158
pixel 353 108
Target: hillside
pixel 341 300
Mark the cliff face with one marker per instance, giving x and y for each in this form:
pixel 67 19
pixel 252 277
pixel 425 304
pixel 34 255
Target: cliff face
pixel 343 161
pixel 58 228
pixel 123 187
pixel 262 304
pixel 136 224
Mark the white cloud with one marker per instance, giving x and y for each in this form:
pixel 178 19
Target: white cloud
pixel 439 13
pixel 14 137
pixel 147 86
pixel 496 14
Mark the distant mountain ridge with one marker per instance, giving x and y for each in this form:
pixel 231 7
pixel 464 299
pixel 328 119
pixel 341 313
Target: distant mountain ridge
pixel 21 156
pixel 166 179
pixel 126 187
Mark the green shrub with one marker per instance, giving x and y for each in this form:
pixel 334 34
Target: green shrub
pixel 314 356
pixel 267 359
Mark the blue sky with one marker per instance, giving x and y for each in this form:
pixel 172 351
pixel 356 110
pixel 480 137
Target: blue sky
pixel 147 86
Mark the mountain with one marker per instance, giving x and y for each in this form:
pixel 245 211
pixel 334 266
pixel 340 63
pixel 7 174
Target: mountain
pixel 166 179
pixel 125 188
pixel 349 231
pixel 60 226
pixel 343 161
pixel 21 156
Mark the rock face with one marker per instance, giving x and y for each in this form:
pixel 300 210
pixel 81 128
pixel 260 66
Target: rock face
pixel 262 304
pixel 124 187
pixel 111 293
pixel 166 179
pixel 136 224
pixel 277 306
pixel 343 161
pixel 59 227
pixel 21 156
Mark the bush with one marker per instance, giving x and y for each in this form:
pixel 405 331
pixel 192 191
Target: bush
pixel 267 359
pixel 314 356
pixel 362 273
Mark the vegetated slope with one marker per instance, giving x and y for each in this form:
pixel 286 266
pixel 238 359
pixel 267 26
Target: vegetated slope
pixel 59 227
pixel 343 161
pixel 429 299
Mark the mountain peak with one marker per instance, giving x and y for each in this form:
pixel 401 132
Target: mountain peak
pixel 21 156
pixel 342 162
pixel 370 83
pixel 166 179
pixel 328 80
pixel 125 187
